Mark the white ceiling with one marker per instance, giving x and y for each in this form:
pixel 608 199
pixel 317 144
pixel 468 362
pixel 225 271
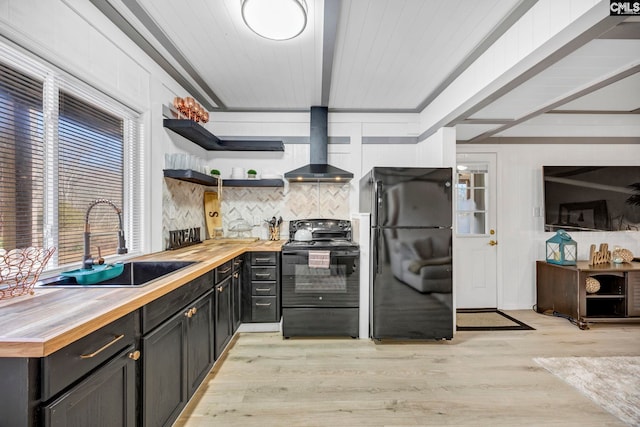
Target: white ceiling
pixel 375 56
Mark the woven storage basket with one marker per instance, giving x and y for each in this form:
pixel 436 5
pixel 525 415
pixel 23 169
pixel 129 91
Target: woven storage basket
pixel 625 254
pixel 592 285
pixel 20 269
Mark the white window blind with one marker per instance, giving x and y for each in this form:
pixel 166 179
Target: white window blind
pixel 21 160
pixel 62 146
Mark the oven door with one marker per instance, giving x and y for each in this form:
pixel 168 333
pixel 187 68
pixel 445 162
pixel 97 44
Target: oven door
pixel 335 286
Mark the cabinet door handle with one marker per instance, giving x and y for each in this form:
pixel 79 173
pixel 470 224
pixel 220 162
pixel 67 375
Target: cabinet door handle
pixel 236 275
pixel 263 289
pixel 135 355
pixel 103 348
pixel 262 304
pixel 220 288
pixel 189 313
pixel 263 274
pixel 226 270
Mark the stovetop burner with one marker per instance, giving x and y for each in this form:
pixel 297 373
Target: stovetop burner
pixel 328 234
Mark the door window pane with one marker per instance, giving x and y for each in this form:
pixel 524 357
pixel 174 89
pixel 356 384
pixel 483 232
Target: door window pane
pixel 471 199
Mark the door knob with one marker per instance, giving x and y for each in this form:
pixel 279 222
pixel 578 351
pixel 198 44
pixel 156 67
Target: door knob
pixel 134 355
pixel 493 242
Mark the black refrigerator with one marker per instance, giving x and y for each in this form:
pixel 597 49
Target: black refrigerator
pixel 411 252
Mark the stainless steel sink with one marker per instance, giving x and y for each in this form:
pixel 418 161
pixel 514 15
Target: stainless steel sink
pixel 135 274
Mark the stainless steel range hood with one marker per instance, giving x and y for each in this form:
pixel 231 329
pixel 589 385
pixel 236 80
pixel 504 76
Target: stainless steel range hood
pixel 318 170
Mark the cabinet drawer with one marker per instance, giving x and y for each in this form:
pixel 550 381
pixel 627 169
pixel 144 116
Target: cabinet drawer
pixel 74 361
pixel 264 289
pixel 263 273
pixel 223 271
pixel 263 258
pixel 110 391
pixel 264 309
pixel 156 312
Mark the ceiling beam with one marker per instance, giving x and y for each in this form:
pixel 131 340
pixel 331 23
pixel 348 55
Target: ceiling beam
pixel 130 31
pixel 507 22
pixel 606 82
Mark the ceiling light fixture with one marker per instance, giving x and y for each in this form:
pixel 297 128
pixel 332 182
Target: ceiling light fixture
pixel 275 19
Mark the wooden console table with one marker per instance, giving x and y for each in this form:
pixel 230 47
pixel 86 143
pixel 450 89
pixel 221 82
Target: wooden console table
pixel 562 290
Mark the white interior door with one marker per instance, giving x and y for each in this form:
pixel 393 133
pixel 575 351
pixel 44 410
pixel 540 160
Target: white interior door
pixel 476 234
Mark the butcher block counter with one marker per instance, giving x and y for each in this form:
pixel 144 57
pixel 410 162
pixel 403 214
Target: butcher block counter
pixel 40 324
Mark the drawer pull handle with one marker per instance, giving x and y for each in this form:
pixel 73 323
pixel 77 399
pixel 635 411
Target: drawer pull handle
pixel 263 289
pixel 263 304
pixel 263 274
pixel 103 348
pixel 134 355
pixel 225 271
pixel 263 259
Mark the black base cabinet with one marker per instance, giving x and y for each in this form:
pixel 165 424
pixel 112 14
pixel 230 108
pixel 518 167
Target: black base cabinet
pixel 90 382
pixel 164 364
pixel 177 355
pixel 223 315
pixel 103 380
pixel 236 293
pixel 261 288
pixel 104 399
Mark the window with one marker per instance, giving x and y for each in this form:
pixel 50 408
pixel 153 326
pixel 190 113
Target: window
pixel 62 146
pixel 471 199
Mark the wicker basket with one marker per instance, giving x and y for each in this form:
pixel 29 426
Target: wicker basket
pixel 592 285
pixel 20 269
pixel 625 254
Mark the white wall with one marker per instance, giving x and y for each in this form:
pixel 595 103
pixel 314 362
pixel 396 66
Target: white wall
pixel 74 36
pixel 520 229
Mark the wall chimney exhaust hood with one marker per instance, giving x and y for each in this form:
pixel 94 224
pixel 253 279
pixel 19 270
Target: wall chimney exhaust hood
pixel 318 170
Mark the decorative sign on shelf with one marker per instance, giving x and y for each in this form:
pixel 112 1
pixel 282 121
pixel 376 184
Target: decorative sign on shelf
pixel 601 256
pixel 182 238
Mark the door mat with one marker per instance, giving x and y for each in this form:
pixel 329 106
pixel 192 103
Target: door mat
pixel 487 320
pixel 611 382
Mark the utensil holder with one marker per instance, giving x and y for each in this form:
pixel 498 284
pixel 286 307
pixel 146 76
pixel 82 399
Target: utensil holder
pixel 274 232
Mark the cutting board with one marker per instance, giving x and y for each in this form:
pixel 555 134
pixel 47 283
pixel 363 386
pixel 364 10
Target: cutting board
pixel 212 213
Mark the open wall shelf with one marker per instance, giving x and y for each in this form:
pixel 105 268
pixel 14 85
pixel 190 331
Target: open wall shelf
pixel 208 180
pixel 191 176
pixel 205 139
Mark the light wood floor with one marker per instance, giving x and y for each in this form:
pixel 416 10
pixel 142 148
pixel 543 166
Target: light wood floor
pixel 485 378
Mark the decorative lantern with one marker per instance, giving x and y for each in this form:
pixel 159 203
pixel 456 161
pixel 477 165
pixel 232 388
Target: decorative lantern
pixel 561 249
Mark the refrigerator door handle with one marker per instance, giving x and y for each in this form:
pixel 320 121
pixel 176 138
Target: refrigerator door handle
pixel 376 246
pixel 377 192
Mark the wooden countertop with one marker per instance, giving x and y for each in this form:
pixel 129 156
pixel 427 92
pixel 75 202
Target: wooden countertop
pixel 40 324
pixel 608 267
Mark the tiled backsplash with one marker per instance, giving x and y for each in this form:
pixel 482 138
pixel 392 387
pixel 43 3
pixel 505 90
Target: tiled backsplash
pixel 183 205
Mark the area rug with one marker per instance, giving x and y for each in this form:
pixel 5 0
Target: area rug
pixel 487 320
pixel 611 382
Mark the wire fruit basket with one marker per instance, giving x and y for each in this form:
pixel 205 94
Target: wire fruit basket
pixel 20 269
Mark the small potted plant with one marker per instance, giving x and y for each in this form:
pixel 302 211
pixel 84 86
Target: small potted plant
pixel 251 174
pixel 215 173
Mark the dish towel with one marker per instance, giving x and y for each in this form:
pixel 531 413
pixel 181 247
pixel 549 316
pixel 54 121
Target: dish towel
pixel 319 259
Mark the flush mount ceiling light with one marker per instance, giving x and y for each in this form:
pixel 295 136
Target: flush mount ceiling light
pixel 275 19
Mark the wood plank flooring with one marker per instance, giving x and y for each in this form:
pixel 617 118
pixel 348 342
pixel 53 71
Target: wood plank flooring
pixel 485 378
